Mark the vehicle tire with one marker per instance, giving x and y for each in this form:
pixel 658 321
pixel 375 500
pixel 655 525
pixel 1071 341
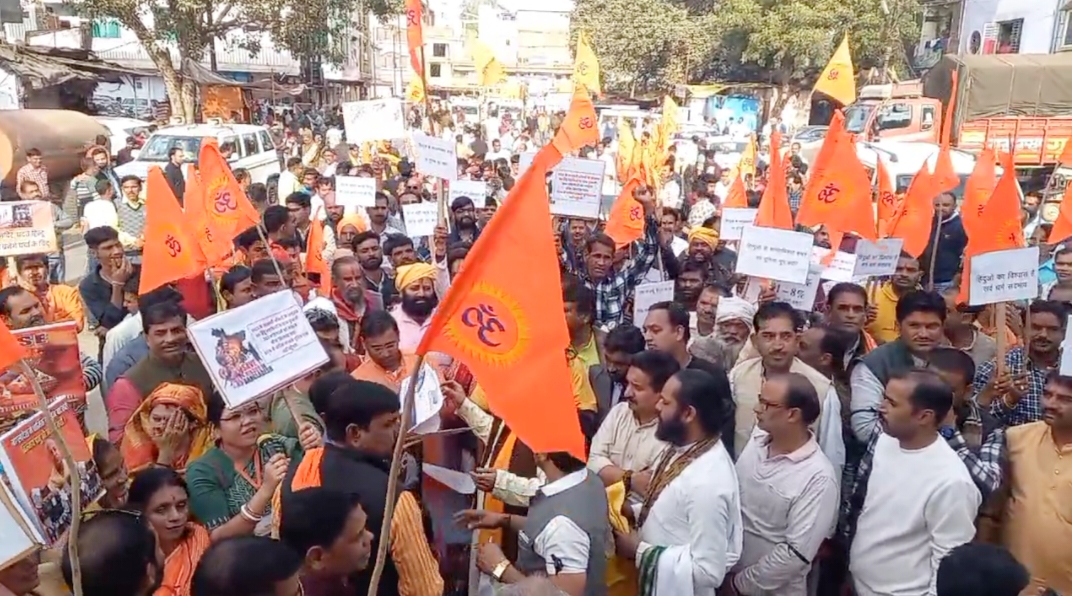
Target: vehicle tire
pixel 273 190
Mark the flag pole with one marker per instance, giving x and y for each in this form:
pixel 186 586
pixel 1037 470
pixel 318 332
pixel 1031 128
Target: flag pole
pixel 392 479
pixel 72 466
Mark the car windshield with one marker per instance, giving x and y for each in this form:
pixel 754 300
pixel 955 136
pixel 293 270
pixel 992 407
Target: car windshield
pixel 157 147
pixel 856 117
pixel 728 147
pixel 808 135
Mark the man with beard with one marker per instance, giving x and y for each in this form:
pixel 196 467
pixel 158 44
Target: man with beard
pixel 886 327
pixel 60 301
pixel 378 218
pixel 608 379
pixel 733 327
pixel 920 320
pixel 586 342
pixel 706 248
pixel 350 297
pixel 416 283
pixel 689 283
pixel 119 555
pixel 846 308
pixel 1015 396
pixel 465 228
pixel 368 253
pixel 690 529
pixel 702 322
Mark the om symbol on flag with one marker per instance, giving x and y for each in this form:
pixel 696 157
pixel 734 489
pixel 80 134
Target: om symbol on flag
pixel 634 213
pixel 829 193
pixel 586 123
pixel 482 317
pixel 173 245
pixel 411 18
pixel 582 68
pixel 887 198
pixel 833 75
pixel 225 202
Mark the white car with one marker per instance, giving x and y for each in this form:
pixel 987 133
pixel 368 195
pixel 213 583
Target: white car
pixel 121 128
pixel 254 150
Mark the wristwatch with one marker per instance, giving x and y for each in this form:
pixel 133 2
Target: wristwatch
pixel 500 569
pixel 947 432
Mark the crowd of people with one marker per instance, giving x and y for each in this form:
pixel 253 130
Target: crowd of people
pixel 870 446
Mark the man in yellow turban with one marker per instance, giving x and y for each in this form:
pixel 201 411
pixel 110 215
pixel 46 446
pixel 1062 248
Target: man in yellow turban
pixel 416 284
pixel 706 249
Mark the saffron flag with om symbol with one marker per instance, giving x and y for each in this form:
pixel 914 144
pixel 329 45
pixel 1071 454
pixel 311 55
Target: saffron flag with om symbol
pixel 838 80
pixel 215 248
pixel 887 203
pixel 314 256
pixel 625 224
pixel 915 216
pixel 171 250
pixel 977 190
pixel 842 199
pixel 579 127
pixel 502 317
pixel 415 36
pixel 228 211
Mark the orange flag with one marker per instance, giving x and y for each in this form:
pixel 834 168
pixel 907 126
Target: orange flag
pixel 502 317
pixel 977 190
pixel 213 245
pixel 578 128
pixel 843 199
pixel 835 134
pixel 737 197
pixel 314 255
pixel 171 250
pixel 915 218
pixel 944 178
pixel 228 210
pixel 774 209
pixel 415 35
pixel 625 224
pixel 999 227
pixel 1062 226
pixel 887 201
pixel 11 351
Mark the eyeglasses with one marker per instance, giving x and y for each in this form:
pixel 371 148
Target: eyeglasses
pixel 767 405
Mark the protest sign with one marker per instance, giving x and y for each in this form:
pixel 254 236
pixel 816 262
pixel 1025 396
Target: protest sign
pixel 648 294
pixel 524 160
pixel 427 400
pixel 771 253
pixel 39 476
pixel 577 187
pixel 353 192
pixel 1004 275
pixel 373 120
pixel 877 259
pixel 799 296
pixel 257 348
pixel 476 190
pixel 1066 350
pixel 26 228
pixel 421 219
pixel 840 268
pixel 53 356
pixel 436 157
pixel 734 219
pixel 19 536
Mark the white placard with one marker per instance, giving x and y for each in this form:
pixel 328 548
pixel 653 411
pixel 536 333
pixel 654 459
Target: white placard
pixel 799 296
pixel 26 227
pixel 19 536
pixel 524 160
pixel 841 267
pixel 255 349
pixel 427 400
pixel 771 253
pixel 577 187
pixel 373 120
pixel 436 157
pixel 355 191
pixel 456 481
pixel 648 294
pixel 477 190
pixel 421 219
pixel 877 259
pixel 1066 350
pixel 734 219
pixel 1004 276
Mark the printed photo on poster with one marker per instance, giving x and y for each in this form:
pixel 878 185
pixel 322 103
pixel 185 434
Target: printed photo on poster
pixel 26 227
pixel 53 355
pixel 40 477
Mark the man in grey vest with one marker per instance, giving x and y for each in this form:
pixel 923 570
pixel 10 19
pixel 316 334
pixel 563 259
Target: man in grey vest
pixel 565 535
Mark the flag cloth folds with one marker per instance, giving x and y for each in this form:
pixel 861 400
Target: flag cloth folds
pixel 314 256
pixel 1062 226
pixel 914 220
pixel 625 224
pixel 774 211
pixel 842 202
pixel 887 202
pixel 586 65
pixel 999 227
pixel 502 317
pixel 171 250
pixel 838 80
pixel 229 212
pixel 491 71
pixel 415 34
pixel 977 190
pixel 11 351
pixel 578 128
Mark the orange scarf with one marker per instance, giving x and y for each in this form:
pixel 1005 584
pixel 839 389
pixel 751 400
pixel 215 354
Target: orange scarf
pixel 502 462
pixel 180 564
pixel 138 448
pixel 372 372
pixel 306 475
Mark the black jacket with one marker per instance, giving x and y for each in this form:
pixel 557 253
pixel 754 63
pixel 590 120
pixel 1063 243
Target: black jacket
pixel 952 240
pixel 176 180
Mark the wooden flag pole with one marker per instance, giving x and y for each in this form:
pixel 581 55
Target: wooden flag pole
pixel 392 479
pixel 934 251
pixel 72 466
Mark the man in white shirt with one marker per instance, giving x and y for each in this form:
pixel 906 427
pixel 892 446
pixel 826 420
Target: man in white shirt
pixel 918 500
pixel 789 491
pixel 497 152
pixel 289 180
pixel 690 526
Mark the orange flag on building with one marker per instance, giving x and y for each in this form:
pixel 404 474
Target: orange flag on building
pixel 886 203
pixel 502 317
pixel 415 35
pixel 737 197
pixel 999 227
pixel 914 220
pixel 11 351
pixel 578 128
pixel 171 250
pixel 774 211
pixel 977 190
pixel 228 210
pixel 625 224
pixel 314 256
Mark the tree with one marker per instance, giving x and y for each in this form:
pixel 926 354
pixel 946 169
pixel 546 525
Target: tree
pixel 306 28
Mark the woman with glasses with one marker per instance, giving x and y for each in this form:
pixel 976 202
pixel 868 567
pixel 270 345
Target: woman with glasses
pixel 232 484
pixel 160 495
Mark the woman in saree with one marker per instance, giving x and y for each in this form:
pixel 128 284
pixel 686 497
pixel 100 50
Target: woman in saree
pixel 231 485
pixel 169 428
pixel 160 495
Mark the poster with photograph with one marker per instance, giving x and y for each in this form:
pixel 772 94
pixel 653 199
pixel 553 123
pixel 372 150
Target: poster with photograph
pixel 39 476
pixel 53 355
pixel 26 228
pixel 255 349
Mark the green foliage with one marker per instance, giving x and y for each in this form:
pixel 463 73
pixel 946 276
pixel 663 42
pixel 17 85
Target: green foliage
pixel 647 45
